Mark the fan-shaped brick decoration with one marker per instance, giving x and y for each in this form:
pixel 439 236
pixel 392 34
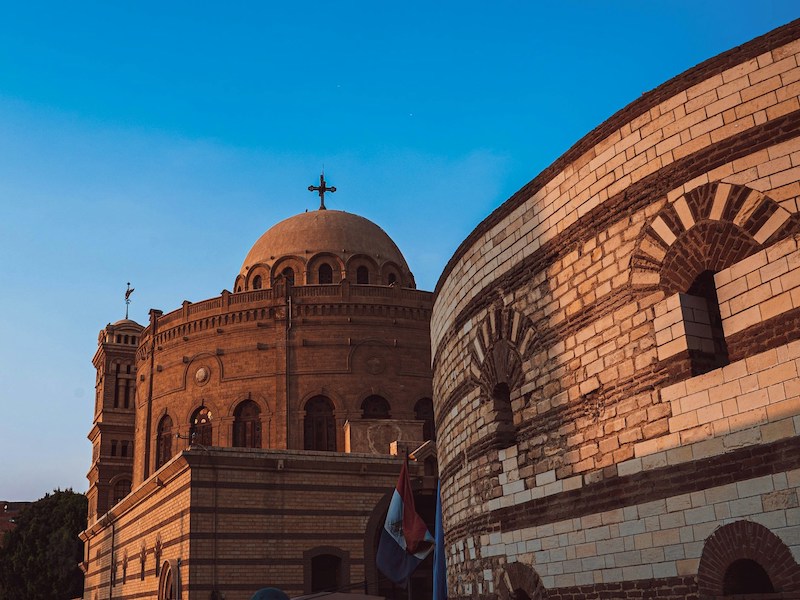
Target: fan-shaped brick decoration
pixel 707 229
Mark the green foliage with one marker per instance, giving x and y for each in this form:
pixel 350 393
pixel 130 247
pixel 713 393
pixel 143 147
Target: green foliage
pixel 39 558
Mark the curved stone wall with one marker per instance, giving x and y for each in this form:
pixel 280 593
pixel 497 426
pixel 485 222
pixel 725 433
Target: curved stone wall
pixel 615 347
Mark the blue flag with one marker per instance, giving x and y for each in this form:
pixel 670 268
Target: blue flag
pixel 439 564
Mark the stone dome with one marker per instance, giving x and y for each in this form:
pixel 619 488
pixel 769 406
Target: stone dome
pixel 342 236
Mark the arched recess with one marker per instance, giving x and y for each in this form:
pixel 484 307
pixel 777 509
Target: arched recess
pixel 258 277
pixel 744 543
pixel 519 581
pixel 503 341
pixel 315 271
pixel 247 425
pixel 169 581
pixel 120 486
pixel 391 274
pixel 203 368
pixel 376 407
pixel 295 263
pixel 358 261
pixel 164 435
pixel 707 229
pixel 201 426
pixel 319 424
pixel 326 568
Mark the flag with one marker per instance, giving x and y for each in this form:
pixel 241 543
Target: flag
pixel 405 539
pixel 439 565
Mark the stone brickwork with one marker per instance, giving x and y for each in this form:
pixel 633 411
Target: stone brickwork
pixel 615 350
pixel 234 521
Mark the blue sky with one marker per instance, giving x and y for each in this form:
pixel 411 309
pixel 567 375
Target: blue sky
pixel 155 142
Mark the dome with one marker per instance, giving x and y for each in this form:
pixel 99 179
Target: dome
pixel 343 237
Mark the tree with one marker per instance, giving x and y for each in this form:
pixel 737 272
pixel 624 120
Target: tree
pixel 39 557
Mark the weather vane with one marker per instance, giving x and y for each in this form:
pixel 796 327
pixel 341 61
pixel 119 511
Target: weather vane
pixel 321 188
pixel 128 293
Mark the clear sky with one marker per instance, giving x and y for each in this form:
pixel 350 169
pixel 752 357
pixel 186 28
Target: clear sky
pixel 154 142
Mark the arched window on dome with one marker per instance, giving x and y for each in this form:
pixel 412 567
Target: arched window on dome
pixel 325 274
pixel 319 425
pixel 257 282
pixel 375 407
pixel 164 443
pixel 423 411
pixel 247 425
pixel 362 275
pixel 288 275
pixel 392 279
pixel 201 427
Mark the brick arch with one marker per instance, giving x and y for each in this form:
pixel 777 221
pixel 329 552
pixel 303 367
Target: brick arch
pixel 519 576
pixel 708 228
pixel 746 540
pixel 503 341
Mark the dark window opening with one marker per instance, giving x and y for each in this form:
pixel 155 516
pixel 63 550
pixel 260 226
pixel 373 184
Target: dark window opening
pixel 746 576
pixel 288 275
pixel 520 594
pixel 325 273
pixel 127 396
pixel 710 334
pixel 201 427
pixel 257 283
pixel 362 275
pixel 121 489
pixel 326 573
pixel 164 443
pixel 375 407
pixel 319 425
pixel 423 411
pixel 503 415
pixel 247 425
pixel 123 449
pixel 125 339
pixel 392 278
pixel 113 447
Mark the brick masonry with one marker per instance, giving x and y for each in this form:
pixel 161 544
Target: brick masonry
pixel 637 425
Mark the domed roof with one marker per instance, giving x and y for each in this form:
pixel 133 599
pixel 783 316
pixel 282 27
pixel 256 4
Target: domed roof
pixel 334 231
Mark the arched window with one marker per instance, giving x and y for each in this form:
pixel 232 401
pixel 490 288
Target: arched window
pixel 257 283
pixel 121 489
pixel 375 407
pixel 288 274
pixel 392 278
pixel 362 275
pixel 423 411
pixel 325 273
pixel 326 573
pixel 745 576
pixel 503 415
pixel 164 443
pixel 201 427
pixel 247 425
pixel 319 425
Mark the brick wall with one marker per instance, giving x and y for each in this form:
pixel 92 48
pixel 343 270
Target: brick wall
pixel 570 294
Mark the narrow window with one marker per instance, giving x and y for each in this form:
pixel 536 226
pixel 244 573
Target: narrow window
pixel 319 425
pixel 362 275
pixel 123 449
pixel 257 282
pixel 247 425
pixel 423 411
pixel 392 278
pixel 164 444
pixel 113 447
pixel 288 274
pixel 325 273
pixel 708 326
pixel 127 397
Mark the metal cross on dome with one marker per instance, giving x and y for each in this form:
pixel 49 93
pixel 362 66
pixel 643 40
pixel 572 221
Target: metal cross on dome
pixel 321 188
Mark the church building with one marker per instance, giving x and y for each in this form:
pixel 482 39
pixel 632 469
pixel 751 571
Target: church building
pixel 254 439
